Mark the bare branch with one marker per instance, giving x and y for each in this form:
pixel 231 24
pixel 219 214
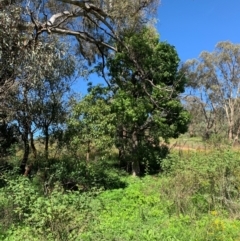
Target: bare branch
pixel 82 35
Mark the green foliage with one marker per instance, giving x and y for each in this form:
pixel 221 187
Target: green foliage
pixel 9 136
pixel 146 84
pixel 202 182
pixel 139 213
pixel 25 214
pixel 126 214
pixel 83 194
pixel 91 126
pixel 213 78
pixel 167 207
pixel 76 174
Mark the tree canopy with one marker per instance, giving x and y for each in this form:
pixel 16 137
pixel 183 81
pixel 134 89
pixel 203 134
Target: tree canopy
pixel 147 84
pixel 140 103
pixel 144 86
pixel 96 25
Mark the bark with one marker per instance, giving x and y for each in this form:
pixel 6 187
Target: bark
pixel 33 148
pixel 26 151
pixel 46 142
pixel 122 135
pixel 230 133
pixel 135 168
pixel 135 162
pixel 236 136
pixel 88 151
pixel 52 25
pixel 108 18
pixel 27 170
pixel 230 116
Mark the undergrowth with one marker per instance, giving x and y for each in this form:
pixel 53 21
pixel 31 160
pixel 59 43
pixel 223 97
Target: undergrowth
pixel 195 198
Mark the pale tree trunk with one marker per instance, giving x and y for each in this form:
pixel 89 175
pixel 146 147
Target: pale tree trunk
pixel 135 168
pixel 236 135
pixel 230 133
pixel 233 120
pixel 135 162
pixel 229 109
pixel 230 127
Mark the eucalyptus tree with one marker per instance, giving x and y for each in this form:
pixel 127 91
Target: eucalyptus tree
pixel 50 103
pixel 94 23
pixel 216 76
pixel 11 46
pixel 206 121
pixel 37 100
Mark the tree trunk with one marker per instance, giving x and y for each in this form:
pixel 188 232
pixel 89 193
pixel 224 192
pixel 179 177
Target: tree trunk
pixel 34 150
pixel 46 142
pixel 27 170
pixel 135 168
pixel 135 162
pixel 230 133
pixel 26 150
pixel 231 122
pixel 122 136
pixel 88 151
pixel 236 136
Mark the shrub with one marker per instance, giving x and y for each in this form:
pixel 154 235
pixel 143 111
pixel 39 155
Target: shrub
pixel 31 216
pixel 203 182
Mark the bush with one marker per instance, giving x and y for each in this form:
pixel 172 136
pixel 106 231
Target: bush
pixel 76 174
pixel 31 216
pixel 203 182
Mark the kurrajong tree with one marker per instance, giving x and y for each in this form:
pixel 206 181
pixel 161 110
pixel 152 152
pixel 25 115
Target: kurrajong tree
pixel 146 84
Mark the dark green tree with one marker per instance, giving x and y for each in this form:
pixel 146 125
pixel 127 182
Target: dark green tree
pixel 146 85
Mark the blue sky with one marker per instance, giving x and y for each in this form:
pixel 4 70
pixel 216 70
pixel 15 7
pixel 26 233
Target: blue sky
pixel 193 26
pixel 196 25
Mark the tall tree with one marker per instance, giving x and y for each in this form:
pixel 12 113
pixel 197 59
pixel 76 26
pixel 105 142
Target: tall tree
pixel 11 46
pixel 36 101
pixel 146 85
pixel 216 76
pixel 50 93
pixel 206 121
pixel 50 109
